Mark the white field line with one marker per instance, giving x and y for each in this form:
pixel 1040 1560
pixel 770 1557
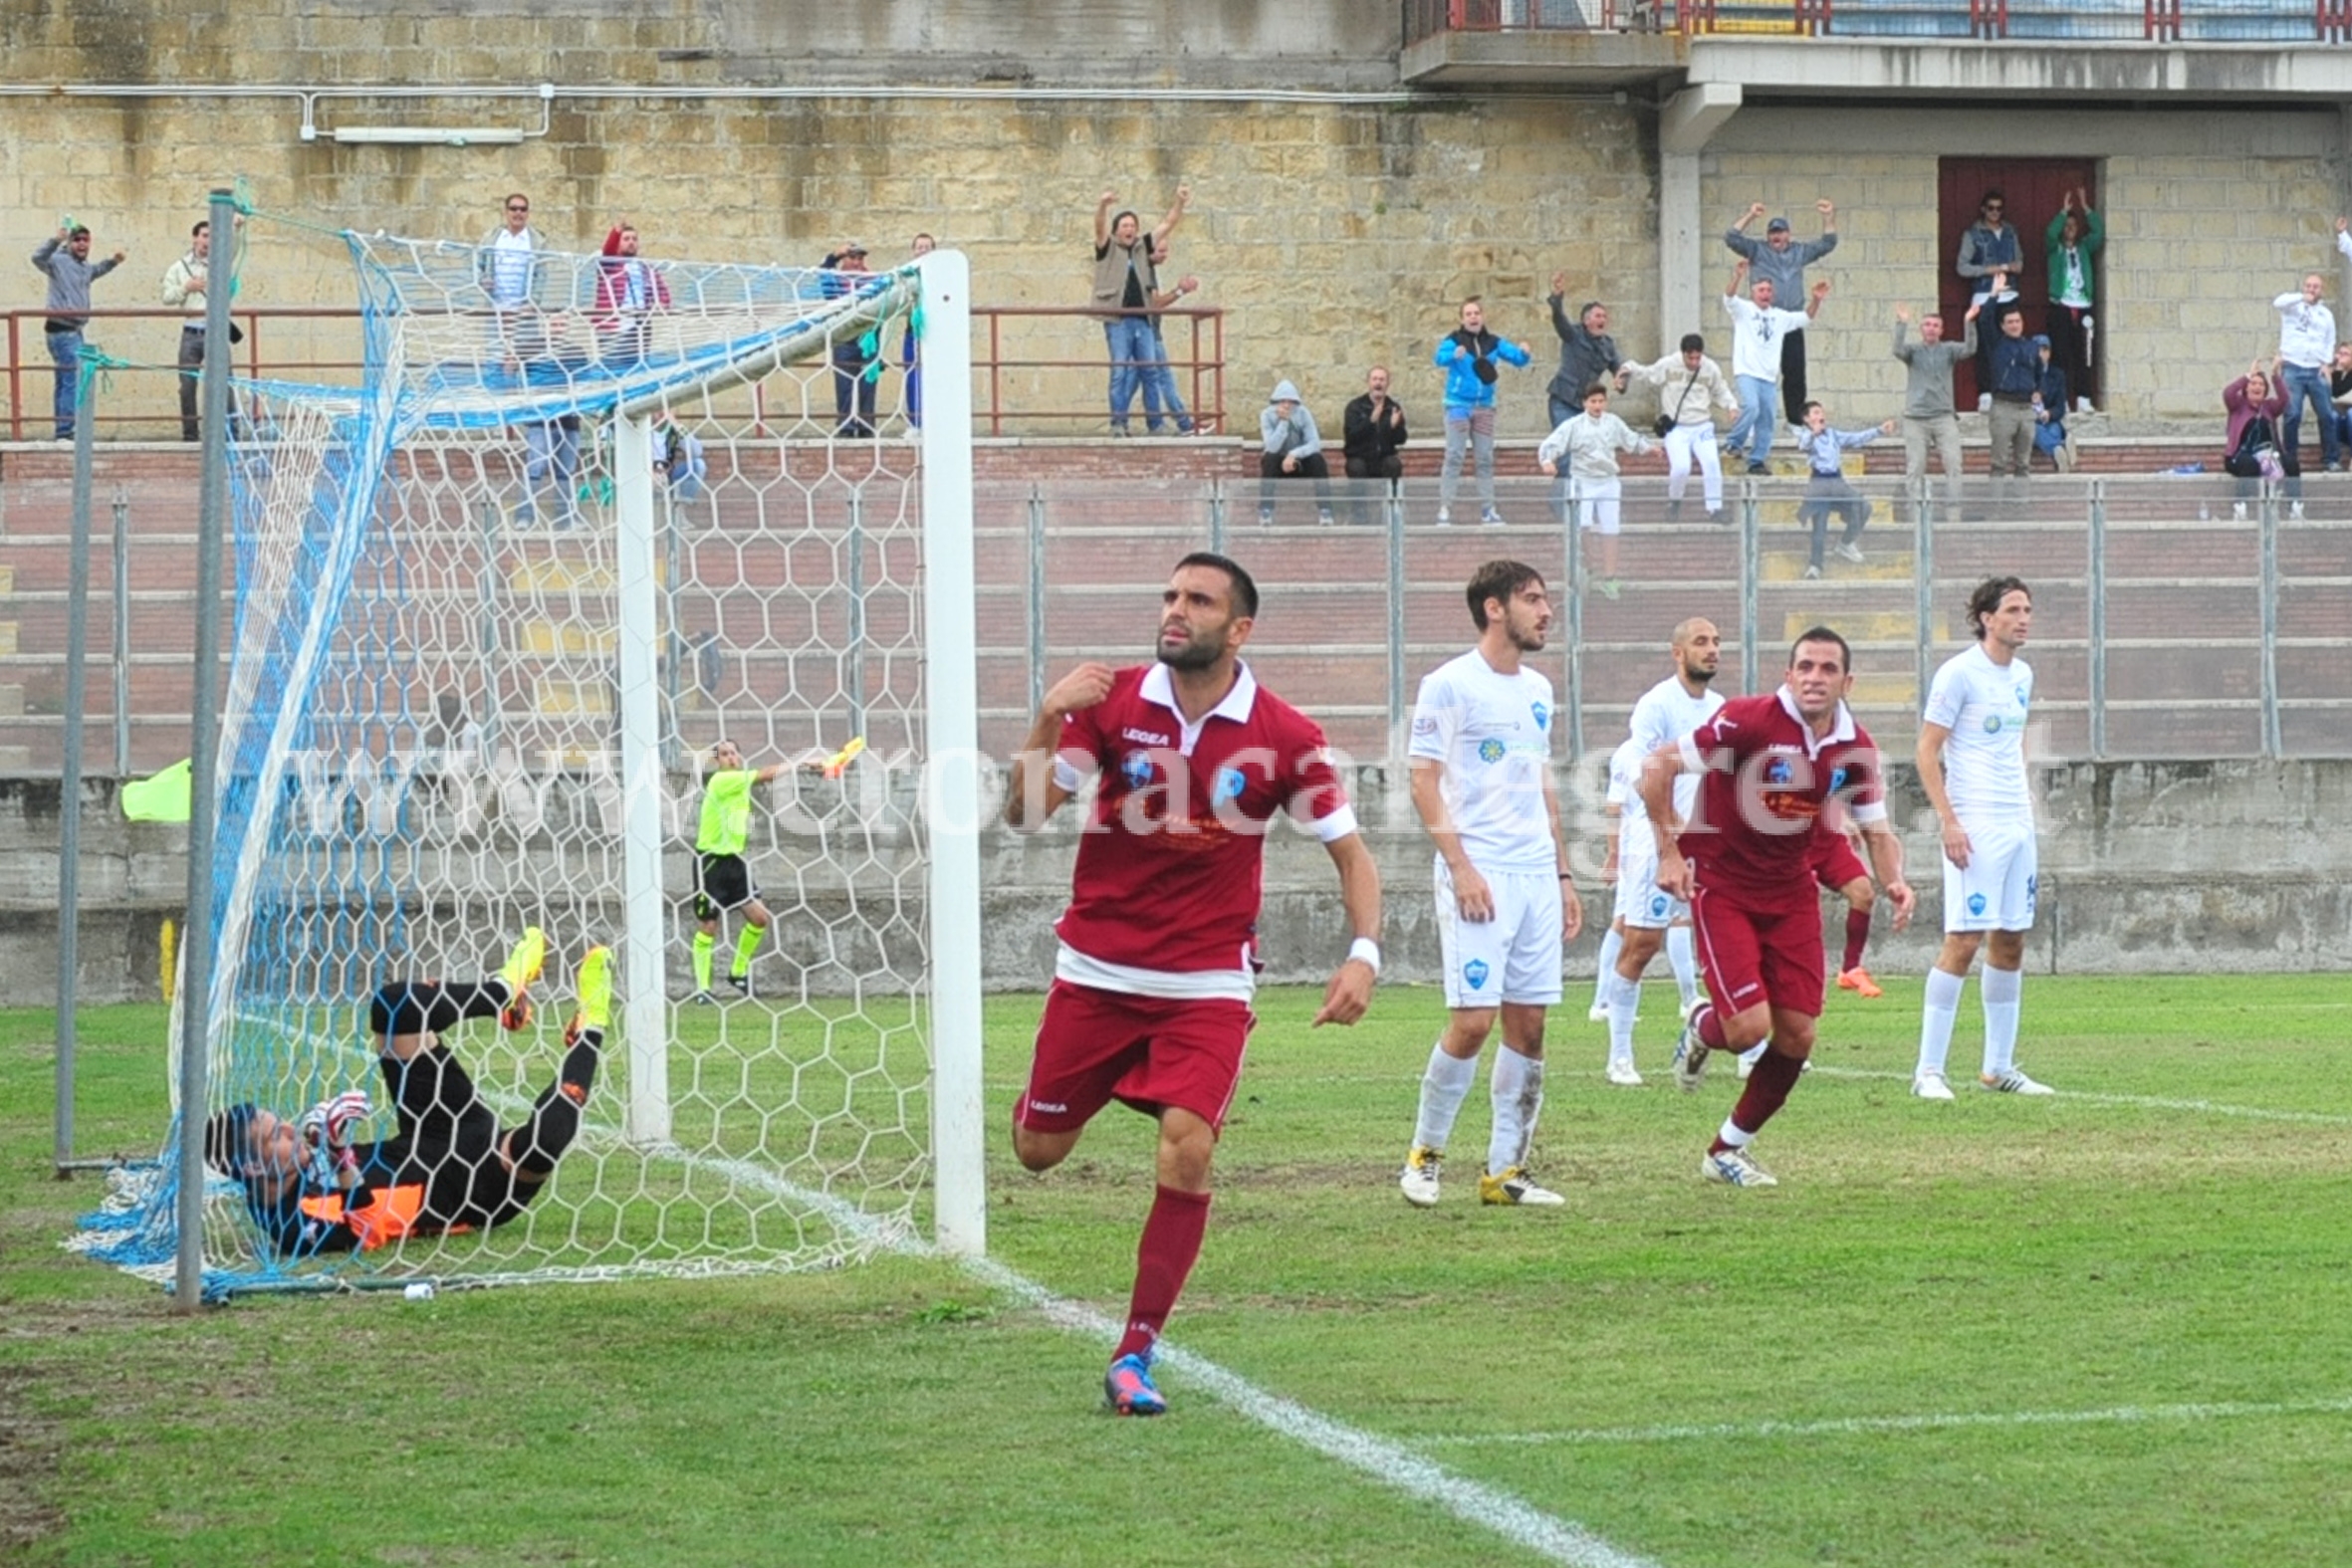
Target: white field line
pixel 1857 1426
pixel 1389 1464
pixel 2146 1102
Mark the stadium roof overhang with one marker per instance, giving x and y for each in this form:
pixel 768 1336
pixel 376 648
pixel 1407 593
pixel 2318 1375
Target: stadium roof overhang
pixel 1657 66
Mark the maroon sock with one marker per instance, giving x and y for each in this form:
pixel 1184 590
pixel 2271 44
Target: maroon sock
pixel 1767 1088
pixel 1171 1241
pixel 1709 1027
pixel 1858 936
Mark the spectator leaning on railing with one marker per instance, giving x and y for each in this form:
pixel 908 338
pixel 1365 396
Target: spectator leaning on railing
pixel 65 256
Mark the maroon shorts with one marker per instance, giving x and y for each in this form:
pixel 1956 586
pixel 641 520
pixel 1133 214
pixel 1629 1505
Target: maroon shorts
pixel 1835 863
pixel 1759 951
pixel 1094 1047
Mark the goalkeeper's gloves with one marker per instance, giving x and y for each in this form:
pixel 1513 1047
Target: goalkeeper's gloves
pixel 328 1123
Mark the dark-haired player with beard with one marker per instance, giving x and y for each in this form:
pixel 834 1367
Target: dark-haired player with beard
pixel 1150 1002
pixel 1770 764
pixel 1481 753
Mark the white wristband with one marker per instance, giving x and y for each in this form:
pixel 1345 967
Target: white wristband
pixel 1365 951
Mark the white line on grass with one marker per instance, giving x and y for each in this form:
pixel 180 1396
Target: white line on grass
pixel 2151 1102
pixel 1852 1426
pixel 1391 1465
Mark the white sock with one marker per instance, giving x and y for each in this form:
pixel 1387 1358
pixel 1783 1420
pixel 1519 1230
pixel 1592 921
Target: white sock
pixel 2003 989
pixel 1444 1087
pixel 1935 1021
pixel 1685 959
pixel 1518 1088
pixel 1732 1133
pixel 1624 1002
pixel 1611 944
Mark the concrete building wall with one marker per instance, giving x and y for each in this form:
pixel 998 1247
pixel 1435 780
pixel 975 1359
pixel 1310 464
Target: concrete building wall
pixel 2145 868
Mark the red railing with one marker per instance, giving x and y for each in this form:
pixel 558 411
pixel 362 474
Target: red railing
pixel 2074 21
pixel 1024 379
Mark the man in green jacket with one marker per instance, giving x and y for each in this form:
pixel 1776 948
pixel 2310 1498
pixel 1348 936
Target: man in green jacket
pixel 721 880
pixel 2072 239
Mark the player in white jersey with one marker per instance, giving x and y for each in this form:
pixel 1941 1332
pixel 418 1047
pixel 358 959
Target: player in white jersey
pixel 1972 765
pixel 1648 915
pixel 1481 756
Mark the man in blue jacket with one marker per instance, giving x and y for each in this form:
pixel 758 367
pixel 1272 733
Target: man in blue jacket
pixel 1468 355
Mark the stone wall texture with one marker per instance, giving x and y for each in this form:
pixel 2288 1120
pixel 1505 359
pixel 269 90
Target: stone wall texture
pixel 1337 218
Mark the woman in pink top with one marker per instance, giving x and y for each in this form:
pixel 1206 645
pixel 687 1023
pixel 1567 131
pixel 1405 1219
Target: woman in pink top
pixel 2255 451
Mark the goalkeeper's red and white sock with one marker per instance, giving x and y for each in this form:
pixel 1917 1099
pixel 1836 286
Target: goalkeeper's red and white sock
pixel 1165 1256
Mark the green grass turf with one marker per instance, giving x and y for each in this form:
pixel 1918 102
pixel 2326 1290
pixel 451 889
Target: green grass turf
pixel 1614 1362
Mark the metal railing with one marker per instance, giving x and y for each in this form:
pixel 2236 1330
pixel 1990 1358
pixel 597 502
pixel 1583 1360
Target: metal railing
pixel 1035 369
pixel 2078 20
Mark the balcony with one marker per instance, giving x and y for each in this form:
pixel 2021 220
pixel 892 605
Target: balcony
pixel 2264 47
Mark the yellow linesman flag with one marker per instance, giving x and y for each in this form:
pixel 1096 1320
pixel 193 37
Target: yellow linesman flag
pixel 162 798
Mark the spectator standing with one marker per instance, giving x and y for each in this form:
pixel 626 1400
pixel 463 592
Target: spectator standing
pixel 1691 388
pixel 1158 374
pixel 1587 353
pixel 1992 259
pixel 1125 284
pixel 64 257
pixel 2072 239
pixel 1777 259
pixel 2254 404
pixel 856 363
pixel 1372 428
pixel 2306 348
pixel 1590 443
pixel 1468 355
pixel 507 266
pixel 910 354
pixel 2049 431
pixel 1758 328
pixel 1293 449
pixel 1929 412
pixel 2015 383
pixel 1829 490
pixel 184 290
pixel 628 293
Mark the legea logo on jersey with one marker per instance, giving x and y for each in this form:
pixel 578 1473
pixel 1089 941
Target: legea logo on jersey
pixel 1229 783
pixel 1474 973
pixel 1135 768
pixel 1976 903
pixel 1490 750
pixel 1542 715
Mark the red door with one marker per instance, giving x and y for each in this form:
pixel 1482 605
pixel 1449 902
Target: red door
pixel 2034 191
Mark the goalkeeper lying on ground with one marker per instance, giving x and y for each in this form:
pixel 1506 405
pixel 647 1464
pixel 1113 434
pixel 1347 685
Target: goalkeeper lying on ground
pixel 448 1168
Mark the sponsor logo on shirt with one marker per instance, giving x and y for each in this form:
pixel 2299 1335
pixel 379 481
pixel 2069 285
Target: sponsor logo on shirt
pixel 1228 785
pixel 1475 972
pixel 1490 750
pixel 1993 724
pixel 1135 769
pixel 1542 715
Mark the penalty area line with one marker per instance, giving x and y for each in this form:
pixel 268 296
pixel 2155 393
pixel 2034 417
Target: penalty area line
pixel 1389 1464
pixel 2145 1102
pixel 1861 1426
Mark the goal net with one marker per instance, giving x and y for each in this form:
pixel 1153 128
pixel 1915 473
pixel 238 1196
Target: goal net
pixel 585 517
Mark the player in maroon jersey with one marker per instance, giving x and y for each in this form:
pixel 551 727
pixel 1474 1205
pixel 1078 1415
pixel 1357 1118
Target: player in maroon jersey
pixel 1150 1003
pixel 1770 763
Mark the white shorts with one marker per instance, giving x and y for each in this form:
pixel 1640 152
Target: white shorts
pixel 1998 889
pixel 1515 957
pixel 1598 504
pixel 1641 902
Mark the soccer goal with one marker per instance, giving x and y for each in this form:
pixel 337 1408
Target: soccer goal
pixel 583 517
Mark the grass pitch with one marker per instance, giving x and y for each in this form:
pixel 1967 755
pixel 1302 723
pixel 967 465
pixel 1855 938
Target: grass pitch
pixel 2108 1327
